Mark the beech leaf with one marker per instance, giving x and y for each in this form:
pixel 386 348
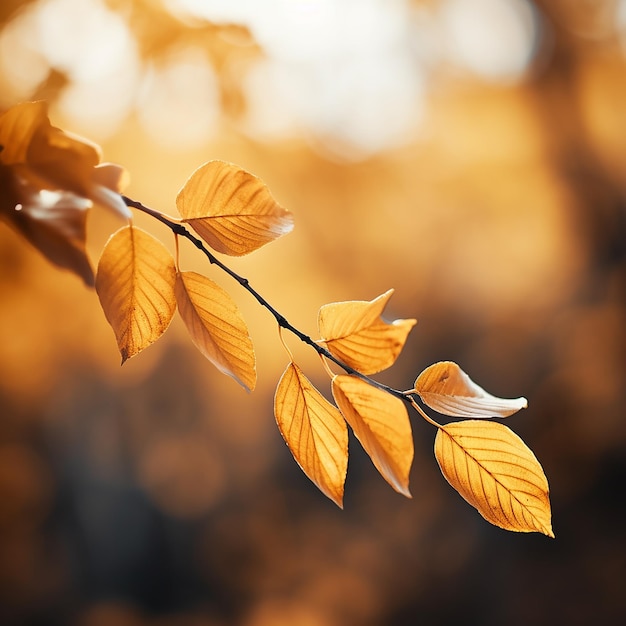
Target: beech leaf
pixel 135 283
pixel 447 389
pixel 216 327
pixel 494 470
pixel 355 332
pixel 232 210
pixel 315 432
pixel 381 423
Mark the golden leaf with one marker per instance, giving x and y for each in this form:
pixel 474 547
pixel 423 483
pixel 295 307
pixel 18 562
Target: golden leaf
pixel 315 432
pixel 355 333
pixel 216 327
pixel 494 470
pixel 135 283
pixel 446 388
pixel 381 423
pixel 232 210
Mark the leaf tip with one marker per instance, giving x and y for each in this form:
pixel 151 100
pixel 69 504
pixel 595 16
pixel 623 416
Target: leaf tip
pixel 401 486
pixel 287 222
pixel 248 388
pixel 405 492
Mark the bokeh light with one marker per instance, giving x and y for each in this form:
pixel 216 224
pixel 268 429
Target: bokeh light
pixel 496 39
pixel 184 82
pixel 94 51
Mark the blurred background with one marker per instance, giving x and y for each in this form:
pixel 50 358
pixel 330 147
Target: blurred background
pixel 470 154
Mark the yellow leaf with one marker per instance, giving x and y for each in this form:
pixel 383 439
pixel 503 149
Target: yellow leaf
pixel 446 388
pixel 216 327
pixel 135 283
pixel 315 432
pixel 381 423
pixel 355 333
pixel 232 210
pixel 494 470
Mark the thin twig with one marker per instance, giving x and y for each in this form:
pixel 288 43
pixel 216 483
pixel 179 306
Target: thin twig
pixel 180 230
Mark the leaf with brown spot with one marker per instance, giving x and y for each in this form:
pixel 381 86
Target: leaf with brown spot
pixel 446 388
pixel 314 430
pixel 135 283
pixel 494 470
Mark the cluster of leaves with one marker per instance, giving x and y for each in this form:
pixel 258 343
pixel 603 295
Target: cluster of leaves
pixel 49 180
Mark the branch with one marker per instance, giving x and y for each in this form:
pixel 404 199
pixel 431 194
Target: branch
pixel 178 229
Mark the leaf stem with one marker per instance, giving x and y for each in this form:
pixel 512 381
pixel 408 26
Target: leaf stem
pixel 179 229
pixel 421 411
pixel 330 373
pixel 282 340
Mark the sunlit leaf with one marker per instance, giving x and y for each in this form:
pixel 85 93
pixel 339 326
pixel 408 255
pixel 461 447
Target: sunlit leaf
pixel 135 283
pixel 216 327
pixel 446 388
pixel 494 470
pixel 232 210
pixel 356 333
pixel 381 423
pixel 314 430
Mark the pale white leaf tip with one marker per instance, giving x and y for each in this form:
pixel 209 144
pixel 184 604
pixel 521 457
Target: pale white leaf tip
pixel 111 200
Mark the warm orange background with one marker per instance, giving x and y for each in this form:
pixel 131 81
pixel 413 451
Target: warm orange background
pixel 472 159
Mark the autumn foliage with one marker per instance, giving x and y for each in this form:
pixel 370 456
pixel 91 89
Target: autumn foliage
pixel 51 179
